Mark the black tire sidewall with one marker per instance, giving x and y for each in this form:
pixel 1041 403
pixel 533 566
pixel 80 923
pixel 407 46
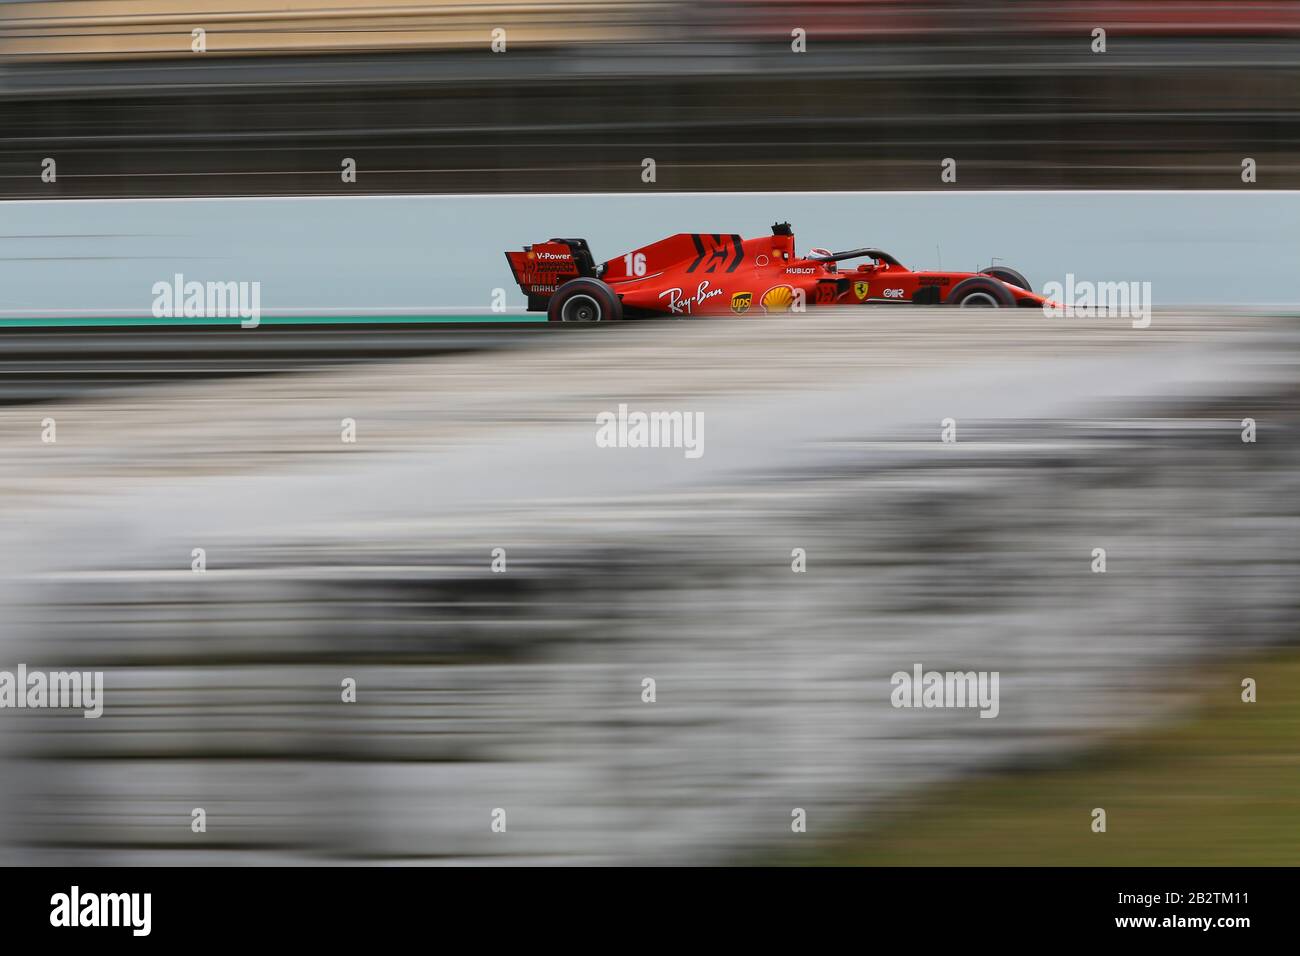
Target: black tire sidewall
pixel 1007 274
pixel 609 305
pixel 981 284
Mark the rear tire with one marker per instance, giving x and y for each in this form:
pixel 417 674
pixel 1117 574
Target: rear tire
pixel 979 292
pixel 584 300
pixel 1008 275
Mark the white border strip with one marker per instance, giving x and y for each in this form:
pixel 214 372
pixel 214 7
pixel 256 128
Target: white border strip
pixel 648 194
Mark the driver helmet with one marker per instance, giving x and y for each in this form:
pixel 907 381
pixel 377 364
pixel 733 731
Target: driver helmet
pixel 822 254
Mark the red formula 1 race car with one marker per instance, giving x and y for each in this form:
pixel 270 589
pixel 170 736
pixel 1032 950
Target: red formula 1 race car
pixel 693 274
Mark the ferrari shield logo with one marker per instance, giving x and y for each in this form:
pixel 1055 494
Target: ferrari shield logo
pixel 741 301
pixel 860 290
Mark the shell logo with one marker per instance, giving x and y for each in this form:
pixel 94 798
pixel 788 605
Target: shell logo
pixel 778 298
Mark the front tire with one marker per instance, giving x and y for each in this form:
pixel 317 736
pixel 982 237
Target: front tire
pixel 978 292
pixel 584 300
pixel 1008 275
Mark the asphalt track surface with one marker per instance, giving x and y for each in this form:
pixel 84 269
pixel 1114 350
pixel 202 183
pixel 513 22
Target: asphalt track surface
pixel 522 689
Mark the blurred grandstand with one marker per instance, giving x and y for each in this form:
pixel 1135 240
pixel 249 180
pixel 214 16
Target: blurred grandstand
pixel 585 90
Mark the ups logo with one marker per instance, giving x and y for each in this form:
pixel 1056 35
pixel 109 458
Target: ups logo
pixel 741 301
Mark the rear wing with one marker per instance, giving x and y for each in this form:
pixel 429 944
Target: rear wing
pixel 543 267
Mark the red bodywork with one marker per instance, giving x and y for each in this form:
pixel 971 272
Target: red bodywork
pixel 693 274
